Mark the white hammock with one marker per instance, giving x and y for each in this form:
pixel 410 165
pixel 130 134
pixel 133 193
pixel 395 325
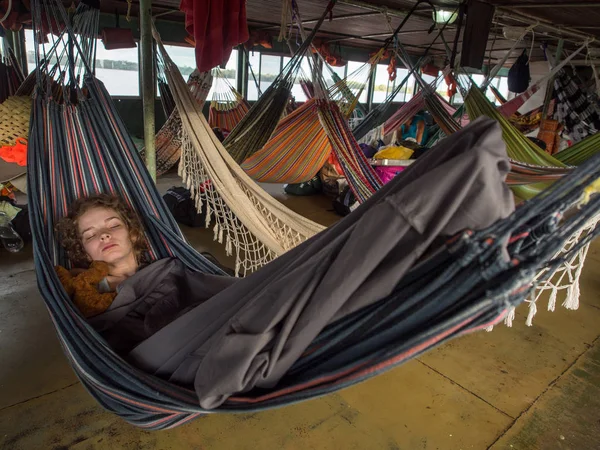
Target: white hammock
pixel 251 223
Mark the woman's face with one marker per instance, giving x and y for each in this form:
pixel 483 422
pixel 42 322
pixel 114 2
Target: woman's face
pixel 105 236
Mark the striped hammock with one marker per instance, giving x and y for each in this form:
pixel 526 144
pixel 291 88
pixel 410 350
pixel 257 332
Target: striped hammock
pixel 300 146
pixel 227 106
pixel 256 127
pixel 467 286
pixel 296 152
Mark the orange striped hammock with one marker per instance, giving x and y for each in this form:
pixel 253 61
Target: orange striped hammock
pixel 296 151
pixel 227 110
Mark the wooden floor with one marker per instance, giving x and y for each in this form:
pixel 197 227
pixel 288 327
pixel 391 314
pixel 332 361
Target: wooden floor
pixel 513 388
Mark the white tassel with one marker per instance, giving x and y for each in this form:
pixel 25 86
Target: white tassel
pixel 220 235
pixel 208 215
pixel 572 300
pixel 510 316
pixel 490 328
pixel 216 231
pixel 237 266
pixel 228 248
pixel 552 299
pixel 532 312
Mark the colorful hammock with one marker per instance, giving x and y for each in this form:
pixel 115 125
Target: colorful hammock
pixel 361 177
pixel 227 106
pixel 300 146
pixel 579 115
pixel 524 150
pixel 466 286
pixel 257 126
pixel 447 295
pixel 296 152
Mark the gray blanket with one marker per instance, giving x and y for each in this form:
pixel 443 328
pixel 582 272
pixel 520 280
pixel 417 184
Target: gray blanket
pixel 238 334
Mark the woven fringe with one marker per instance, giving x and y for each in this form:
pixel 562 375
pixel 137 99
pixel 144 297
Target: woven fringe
pixel 531 314
pixel 572 300
pixel 510 316
pixel 552 300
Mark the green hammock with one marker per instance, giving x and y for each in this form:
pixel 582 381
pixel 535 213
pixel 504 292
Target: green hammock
pixel 518 146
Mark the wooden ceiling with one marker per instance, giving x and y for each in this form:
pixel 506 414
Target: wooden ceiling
pixel 362 23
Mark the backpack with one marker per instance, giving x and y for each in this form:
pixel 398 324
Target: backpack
pixel 346 202
pixel 518 75
pixel 180 203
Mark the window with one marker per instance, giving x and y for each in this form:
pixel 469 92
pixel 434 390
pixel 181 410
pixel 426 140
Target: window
pixel 357 78
pixel 184 58
pixel 503 87
pixel 382 85
pixel 30 48
pixel 253 80
pixel 117 69
pixel 270 67
pixel 327 74
pixel 408 90
pixel 440 86
pixel 478 80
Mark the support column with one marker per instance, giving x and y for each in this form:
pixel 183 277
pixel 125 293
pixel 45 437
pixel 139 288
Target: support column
pixel 148 81
pixel 242 72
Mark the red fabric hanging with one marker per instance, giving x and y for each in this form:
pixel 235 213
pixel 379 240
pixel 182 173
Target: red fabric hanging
pixel 216 26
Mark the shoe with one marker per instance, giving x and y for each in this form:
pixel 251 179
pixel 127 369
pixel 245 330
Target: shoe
pixel 9 237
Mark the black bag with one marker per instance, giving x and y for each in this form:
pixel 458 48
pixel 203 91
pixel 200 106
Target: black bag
pixel 310 187
pixel 346 202
pixel 518 75
pixel 180 203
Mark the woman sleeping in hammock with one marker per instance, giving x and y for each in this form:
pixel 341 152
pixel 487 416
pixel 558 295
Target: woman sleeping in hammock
pixel 224 335
pixel 103 234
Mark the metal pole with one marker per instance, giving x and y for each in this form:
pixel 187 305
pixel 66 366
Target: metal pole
pixel 242 71
pixel 147 66
pixel 18 46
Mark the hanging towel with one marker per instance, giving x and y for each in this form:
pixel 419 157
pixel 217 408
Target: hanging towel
pixel 216 27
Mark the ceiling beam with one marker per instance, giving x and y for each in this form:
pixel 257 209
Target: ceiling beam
pixel 334 18
pixel 529 19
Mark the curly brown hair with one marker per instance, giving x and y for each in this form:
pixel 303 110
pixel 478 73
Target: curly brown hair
pixel 68 232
